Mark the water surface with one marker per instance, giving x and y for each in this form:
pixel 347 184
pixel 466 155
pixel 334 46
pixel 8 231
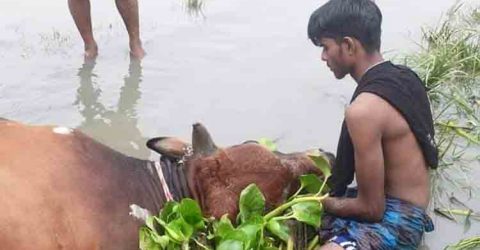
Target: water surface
pixel 244 68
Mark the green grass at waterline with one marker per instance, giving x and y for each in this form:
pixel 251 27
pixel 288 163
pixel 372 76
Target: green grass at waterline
pixel 448 61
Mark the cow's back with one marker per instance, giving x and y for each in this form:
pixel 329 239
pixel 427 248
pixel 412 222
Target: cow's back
pixel 61 190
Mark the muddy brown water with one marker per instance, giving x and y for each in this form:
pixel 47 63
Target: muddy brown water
pixel 244 68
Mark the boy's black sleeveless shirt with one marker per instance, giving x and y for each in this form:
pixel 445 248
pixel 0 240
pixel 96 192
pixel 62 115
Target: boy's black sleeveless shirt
pixel 402 88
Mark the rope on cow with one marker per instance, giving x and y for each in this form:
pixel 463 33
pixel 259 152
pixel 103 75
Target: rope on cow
pixel 166 190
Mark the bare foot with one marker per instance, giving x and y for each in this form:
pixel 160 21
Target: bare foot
pixel 91 51
pixel 136 50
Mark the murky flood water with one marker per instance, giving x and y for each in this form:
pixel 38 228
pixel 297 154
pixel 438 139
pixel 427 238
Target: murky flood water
pixel 244 68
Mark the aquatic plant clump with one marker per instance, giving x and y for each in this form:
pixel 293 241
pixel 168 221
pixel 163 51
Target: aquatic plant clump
pixel 180 225
pixel 448 62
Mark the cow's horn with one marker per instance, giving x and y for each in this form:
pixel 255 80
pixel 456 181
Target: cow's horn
pixel 202 142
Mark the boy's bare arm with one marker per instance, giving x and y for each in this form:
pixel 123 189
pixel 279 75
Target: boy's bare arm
pixel 365 123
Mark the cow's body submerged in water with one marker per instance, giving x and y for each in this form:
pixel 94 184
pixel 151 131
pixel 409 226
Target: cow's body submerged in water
pixel 62 190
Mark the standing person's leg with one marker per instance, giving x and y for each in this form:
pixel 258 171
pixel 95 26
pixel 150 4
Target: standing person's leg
pixel 80 10
pixel 129 11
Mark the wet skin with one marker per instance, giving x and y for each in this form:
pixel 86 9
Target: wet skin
pixel 388 159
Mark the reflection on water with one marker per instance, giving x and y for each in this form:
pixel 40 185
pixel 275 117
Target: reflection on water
pixel 120 122
pixel 194 7
pixel 262 88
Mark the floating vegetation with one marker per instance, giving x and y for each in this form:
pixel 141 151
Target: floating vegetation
pixel 449 64
pixel 466 244
pixel 53 41
pixel 459 209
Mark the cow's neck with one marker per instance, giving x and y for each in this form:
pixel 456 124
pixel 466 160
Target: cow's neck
pixel 172 176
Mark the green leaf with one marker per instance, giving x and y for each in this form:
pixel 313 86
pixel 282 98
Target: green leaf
pixel 223 227
pixel 461 132
pixel 157 237
pixel 309 212
pixel 444 214
pixel 279 229
pixel 168 212
pixel 255 219
pixel 252 234
pixel 269 144
pixel 248 233
pixel 174 232
pixel 182 228
pixel 252 203
pixel 311 183
pixel 230 245
pixel 224 231
pixel 321 164
pixel 162 240
pixel 149 222
pixel 191 213
pixel 237 235
pixel 146 240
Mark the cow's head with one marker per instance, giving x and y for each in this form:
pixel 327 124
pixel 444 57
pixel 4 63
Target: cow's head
pixel 216 176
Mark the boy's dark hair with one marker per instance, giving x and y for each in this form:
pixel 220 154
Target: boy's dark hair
pixel 360 19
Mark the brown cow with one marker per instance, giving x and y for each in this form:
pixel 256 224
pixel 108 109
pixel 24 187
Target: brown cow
pixel 60 189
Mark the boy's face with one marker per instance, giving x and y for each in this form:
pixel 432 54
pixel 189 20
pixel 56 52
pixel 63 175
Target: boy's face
pixel 336 57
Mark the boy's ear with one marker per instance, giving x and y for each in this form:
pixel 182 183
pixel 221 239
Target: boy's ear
pixel 350 45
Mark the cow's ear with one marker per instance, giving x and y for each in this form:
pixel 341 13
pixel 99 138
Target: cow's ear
pixel 168 146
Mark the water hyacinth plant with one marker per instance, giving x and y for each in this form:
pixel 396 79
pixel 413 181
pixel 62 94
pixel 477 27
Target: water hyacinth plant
pixel 180 225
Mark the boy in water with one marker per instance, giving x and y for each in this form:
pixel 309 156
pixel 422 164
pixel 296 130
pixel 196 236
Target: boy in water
pixel 386 140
